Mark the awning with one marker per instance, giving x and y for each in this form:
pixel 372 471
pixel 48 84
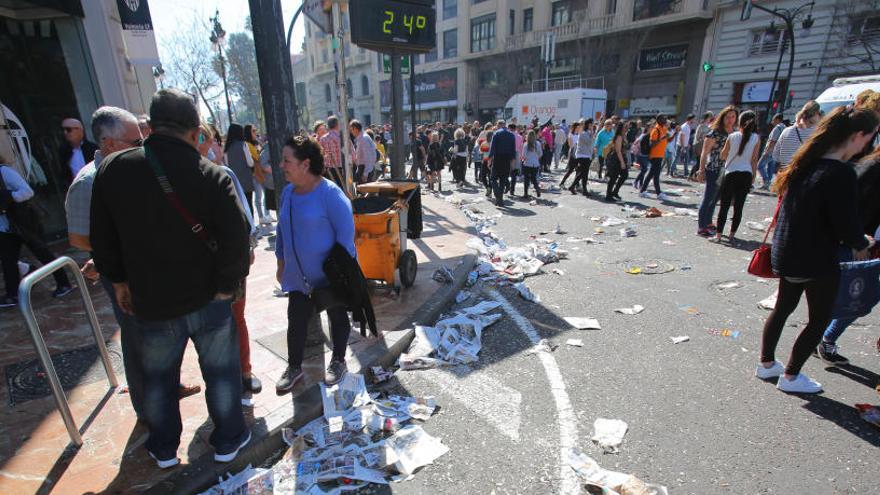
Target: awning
pixel 38 9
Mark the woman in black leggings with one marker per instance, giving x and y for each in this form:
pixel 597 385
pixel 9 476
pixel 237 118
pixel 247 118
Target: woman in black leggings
pixel 614 159
pixel 740 155
pixel 572 161
pixel 817 213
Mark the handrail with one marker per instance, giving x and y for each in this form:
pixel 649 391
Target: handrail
pixel 24 304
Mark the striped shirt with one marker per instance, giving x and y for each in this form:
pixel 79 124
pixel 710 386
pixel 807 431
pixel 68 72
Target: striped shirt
pixel 789 142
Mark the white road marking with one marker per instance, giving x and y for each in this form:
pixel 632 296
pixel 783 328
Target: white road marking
pixel 565 416
pixel 482 394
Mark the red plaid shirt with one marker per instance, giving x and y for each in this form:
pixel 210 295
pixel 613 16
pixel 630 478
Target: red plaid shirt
pixel 332 150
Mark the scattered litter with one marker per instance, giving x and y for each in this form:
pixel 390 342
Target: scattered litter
pixel 612 222
pixel 557 271
pixel 691 310
pixel 349 393
pixel 869 413
pixel 680 339
pixel 462 296
pixel 723 332
pixel 685 268
pixel 668 243
pixel 606 482
pixel 653 213
pixel 575 342
pixel 636 309
pixel 648 267
pixel 543 345
pixel 443 275
pixel 634 270
pixel 558 230
pixel 473 276
pixel 608 434
pixel 583 323
pixel 526 293
pixel 629 231
pixel 123 389
pixel 380 374
pixel 249 482
pixel 455 340
pixel 533 202
pixel 588 240
pixel 770 302
pixel 686 212
pixel 414 448
pixel 757 226
pixel 729 285
pixel 599 230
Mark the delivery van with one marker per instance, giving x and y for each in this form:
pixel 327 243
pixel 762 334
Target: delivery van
pixel 569 104
pixel 844 90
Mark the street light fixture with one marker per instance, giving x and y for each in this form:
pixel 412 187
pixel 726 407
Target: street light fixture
pixel 159 75
pixel 218 38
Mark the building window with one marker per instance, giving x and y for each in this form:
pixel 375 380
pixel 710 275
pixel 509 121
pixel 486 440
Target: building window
pixel 561 13
pixel 526 74
pixel 477 1
pixel 324 56
pixel 765 42
pixel 368 120
pixel 489 79
pixel 528 19
pixel 327 95
pixel 612 7
pixel 450 9
pixel 349 89
pixel 647 9
pixel 512 23
pixel 365 85
pixel 863 30
pixel 483 33
pixel 432 55
pixel 450 43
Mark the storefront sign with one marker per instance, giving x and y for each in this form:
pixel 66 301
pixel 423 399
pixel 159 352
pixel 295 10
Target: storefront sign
pixel 756 92
pixel 653 106
pixel 665 57
pixel 437 89
pixel 137 32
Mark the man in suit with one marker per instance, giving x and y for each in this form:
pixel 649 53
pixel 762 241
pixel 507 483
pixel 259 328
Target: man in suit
pixel 502 151
pixel 76 151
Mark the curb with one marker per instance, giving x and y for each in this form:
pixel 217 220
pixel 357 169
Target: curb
pixel 307 406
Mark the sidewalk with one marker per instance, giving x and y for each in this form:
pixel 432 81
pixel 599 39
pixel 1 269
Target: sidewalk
pixel 35 451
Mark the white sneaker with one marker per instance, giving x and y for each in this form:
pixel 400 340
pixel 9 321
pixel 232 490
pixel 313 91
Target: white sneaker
pixel 164 463
pixel 802 384
pixel 771 372
pixel 663 197
pixel 644 194
pixel 218 457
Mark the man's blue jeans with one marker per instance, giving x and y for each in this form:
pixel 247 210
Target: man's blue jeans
pixel 710 198
pixel 216 343
pixel 130 340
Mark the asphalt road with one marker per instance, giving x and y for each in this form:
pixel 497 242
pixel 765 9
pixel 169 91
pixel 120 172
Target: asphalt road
pixel 699 421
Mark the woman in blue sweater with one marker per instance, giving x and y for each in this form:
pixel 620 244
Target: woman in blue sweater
pixel 314 215
pixel 818 213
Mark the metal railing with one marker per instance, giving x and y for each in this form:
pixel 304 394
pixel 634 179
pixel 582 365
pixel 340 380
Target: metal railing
pixel 27 310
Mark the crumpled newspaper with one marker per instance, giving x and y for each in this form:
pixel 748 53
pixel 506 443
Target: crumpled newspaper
pixel 770 302
pixel 414 448
pixel 526 293
pixel 610 482
pixel 583 323
pixel 350 392
pixel 250 481
pixel 608 434
pixel 636 309
pixel 443 275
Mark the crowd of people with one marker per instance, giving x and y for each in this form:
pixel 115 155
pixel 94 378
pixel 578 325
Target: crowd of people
pixel 177 271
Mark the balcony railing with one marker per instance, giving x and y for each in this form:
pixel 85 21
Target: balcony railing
pixel 580 27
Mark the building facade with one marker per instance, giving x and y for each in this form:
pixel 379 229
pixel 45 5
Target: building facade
pixel 61 59
pixel 841 39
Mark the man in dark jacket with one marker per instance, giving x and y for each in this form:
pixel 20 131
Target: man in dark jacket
pixel 75 152
pixel 502 151
pixel 168 231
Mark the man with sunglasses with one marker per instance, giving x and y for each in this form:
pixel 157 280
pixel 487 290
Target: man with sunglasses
pixel 76 151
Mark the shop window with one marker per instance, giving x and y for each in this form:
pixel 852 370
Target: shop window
pixel 765 42
pixel 450 43
pixel 528 19
pixel 489 79
pixel 483 33
pixel 647 9
pixel 450 9
pixel 561 13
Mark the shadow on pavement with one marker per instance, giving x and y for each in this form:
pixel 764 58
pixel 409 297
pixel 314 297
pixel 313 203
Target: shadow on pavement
pixel 844 416
pixel 857 374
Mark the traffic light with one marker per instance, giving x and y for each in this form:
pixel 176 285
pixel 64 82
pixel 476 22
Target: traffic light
pixel 788 99
pixel 775 106
pixel 707 66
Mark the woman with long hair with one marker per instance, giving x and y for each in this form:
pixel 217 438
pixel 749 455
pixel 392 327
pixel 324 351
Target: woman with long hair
pixel 216 149
pixel 436 162
pixel 531 163
pixel 710 167
pixel 572 147
pixel 239 159
pixel 254 147
pixel 615 163
pixel 740 155
pixel 818 212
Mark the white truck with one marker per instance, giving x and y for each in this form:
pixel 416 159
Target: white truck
pixel 843 91
pixel 569 104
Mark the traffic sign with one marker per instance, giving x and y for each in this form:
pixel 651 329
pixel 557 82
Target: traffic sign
pixel 386 64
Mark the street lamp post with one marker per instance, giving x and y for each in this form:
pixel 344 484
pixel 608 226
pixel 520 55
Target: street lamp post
pixel 218 37
pixel 159 75
pixel 789 16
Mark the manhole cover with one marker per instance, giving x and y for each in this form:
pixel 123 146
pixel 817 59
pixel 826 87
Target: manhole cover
pixel 647 267
pixel 27 380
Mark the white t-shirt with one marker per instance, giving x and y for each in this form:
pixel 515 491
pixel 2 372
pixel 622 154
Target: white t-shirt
pixel 685 134
pixel 740 162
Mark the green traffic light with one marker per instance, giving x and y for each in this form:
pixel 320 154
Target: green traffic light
pixel 707 66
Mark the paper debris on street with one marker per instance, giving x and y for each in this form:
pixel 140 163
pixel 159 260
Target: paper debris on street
pixel 629 231
pixel 414 448
pixel 612 222
pixel 250 481
pixel 443 275
pixel 723 332
pixel 608 434
pixel 455 340
pixel 380 374
pixel 526 293
pixel 729 285
pixel 757 226
pixel 575 342
pixel 583 323
pixel 636 309
pixel 770 302
pixel 609 482
pixel 462 296
pixel 557 271
pixel 543 345
pixel 680 339
pixel 350 392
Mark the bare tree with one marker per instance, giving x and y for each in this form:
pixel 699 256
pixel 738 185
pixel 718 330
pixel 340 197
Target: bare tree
pixel 188 62
pixel 856 26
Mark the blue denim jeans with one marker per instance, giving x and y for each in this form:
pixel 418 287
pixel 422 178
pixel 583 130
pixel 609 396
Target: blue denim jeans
pixel 216 343
pixel 836 328
pixel 130 340
pixel 710 198
pixel 684 155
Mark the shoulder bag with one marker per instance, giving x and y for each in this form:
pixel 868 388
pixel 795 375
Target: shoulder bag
pixel 761 264
pixel 23 218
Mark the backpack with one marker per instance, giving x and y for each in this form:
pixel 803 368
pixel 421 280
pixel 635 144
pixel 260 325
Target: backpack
pixel 645 144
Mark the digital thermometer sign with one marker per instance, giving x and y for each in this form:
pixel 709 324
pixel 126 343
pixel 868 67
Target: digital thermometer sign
pixel 407 26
